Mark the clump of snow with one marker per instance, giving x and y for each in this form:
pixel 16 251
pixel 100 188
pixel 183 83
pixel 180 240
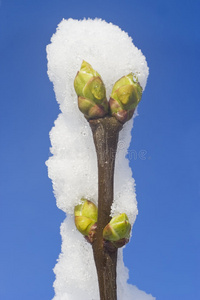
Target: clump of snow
pixel 73 164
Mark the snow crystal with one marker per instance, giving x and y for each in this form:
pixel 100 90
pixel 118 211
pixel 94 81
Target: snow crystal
pixel 73 164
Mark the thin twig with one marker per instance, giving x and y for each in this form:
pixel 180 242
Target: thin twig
pixel 105 134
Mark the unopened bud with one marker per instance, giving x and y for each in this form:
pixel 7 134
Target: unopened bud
pixel 125 96
pixel 91 92
pixel 118 229
pixel 85 217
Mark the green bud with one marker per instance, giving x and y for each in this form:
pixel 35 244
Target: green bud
pixel 85 216
pixel 119 228
pixel 125 96
pixel 91 92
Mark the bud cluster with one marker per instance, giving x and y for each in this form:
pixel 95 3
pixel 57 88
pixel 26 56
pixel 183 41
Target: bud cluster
pixel 91 92
pixel 116 233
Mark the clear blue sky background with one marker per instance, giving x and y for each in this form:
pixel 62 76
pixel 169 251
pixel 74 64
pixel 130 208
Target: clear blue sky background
pixel 163 256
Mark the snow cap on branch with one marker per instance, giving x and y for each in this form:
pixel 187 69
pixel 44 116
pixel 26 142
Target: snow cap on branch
pixel 73 165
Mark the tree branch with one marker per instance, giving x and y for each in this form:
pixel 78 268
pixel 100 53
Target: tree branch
pixel 105 134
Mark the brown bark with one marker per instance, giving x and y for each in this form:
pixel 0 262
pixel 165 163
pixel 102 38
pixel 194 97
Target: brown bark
pixel 105 133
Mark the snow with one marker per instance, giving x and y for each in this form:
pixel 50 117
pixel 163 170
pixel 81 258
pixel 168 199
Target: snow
pixel 73 164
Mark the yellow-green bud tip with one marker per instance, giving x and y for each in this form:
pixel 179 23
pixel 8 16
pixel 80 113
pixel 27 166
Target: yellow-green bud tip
pixel 125 96
pixel 91 90
pixel 118 228
pixel 85 215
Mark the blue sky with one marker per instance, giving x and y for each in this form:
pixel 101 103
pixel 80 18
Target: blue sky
pixel 163 256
